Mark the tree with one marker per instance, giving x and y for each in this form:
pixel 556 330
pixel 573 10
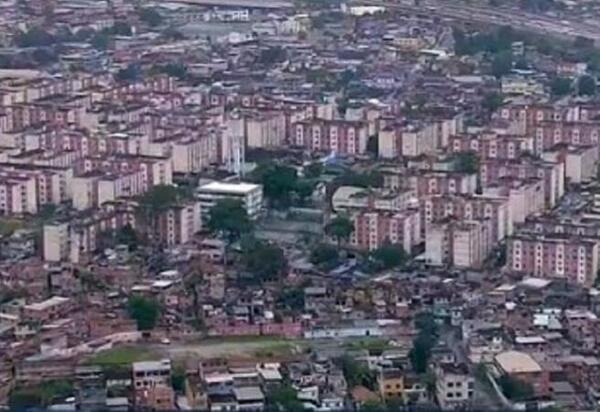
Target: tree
pixel 492 102
pixel 177 70
pixel 265 261
pixel 279 182
pixel 156 201
pixel 324 254
pixel 313 170
pixel 466 162
pixel 129 73
pixel 284 398
pixel 24 398
pixel 389 256
pixel 373 145
pixel 100 40
pixel 150 16
pixel 121 28
pixel 502 63
pixel 515 389
pixel 357 373
pixel 229 218
pixel 560 86
pixel 272 55
pixel 145 311
pixel 292 299
pixel 340 228
pixel 44 56
pixel 34 37
pixel 586 85
pixel 178 379
pixel 424 342
pixel 127 236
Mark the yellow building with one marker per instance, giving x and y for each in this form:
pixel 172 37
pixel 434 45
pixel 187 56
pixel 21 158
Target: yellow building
pixel 391 383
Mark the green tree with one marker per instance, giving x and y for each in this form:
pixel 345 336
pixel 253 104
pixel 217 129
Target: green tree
pixel 389 256
pixel 150 16
pixel 284 398
pixel 502 64
pixel 291 299
pixel 373 406
pixel 100 41
pixel 145 311
pixel 127 236
pixel 313 170
pixel 357 373
pixel 340 228
pixel 466 162
pixel 266 261
pixel 178 379
pixel 586 85
pixel 515 389
pixel 424 342
pixel 560 86
pixel 324 255
pixel 177 70
pixel 153 203
pixel 272 55
pixel 373 145
pixel 24 398
pixel 279 182
pixel 229 218
pixel 128 74
pixel 492 102
pixel 34 37
pixel 121 28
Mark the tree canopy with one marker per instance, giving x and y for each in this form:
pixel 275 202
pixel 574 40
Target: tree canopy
pixel 229 218
pixel 424 342
pixel 150 16
pixel 388 256
pixel 586 85
pixel 145 311
pixel 265 261
pixel 466 162
pixel 560 86
pixel 281 184
pixel 515 389
pixel 324 254
pixel 340 228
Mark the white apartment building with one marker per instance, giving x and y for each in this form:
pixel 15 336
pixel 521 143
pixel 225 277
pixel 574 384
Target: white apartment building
pixel 251 196
pixel 56 242
pixel 18 195
pixel 454 386
pixel 149 374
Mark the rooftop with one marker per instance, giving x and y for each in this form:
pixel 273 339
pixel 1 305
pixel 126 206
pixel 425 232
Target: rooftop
pixel 233 188
pixel 517 362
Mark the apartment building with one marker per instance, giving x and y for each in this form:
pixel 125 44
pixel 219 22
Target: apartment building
pixel 557 255
pixel 491 145
pixel 339 136
pixel 352 198
pixel 462 244
pixel 580 163
pixel 441 183
pixel 493 171
pixel 92 189
pixel 454 386
pixel 148 374
pixel 373 229
pixel 469 207
pixel 408 141
pixel 250 195
pixel 18 194
pixel 179 224
pixel 47 310
pixel 525 197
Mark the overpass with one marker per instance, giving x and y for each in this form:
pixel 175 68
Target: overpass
pixel 249 4
pixel 495 16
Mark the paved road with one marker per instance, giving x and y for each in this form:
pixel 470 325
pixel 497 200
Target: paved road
pixel 489 15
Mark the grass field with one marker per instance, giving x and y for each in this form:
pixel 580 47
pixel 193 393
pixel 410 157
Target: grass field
pixel 8 226
pixel 122 355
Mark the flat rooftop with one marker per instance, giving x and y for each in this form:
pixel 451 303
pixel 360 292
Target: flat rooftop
pixel 232 188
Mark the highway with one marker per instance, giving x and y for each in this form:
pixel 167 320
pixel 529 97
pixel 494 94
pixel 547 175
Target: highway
pixel 252 4
pixel 495 16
